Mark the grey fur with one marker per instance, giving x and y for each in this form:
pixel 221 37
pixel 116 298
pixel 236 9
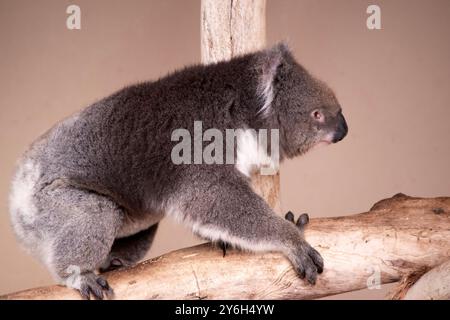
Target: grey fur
pixel 92 189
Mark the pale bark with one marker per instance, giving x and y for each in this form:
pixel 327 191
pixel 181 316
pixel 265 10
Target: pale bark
pixel 397 237
pixel 231 27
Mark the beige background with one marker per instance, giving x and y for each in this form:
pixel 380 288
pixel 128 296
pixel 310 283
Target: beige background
pixel 393 85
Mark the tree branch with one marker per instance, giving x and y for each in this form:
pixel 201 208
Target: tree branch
pixel 397 237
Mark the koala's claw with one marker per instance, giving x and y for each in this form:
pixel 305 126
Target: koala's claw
pixel 224 246
pixel 97 286
pixel 302 221
pixel 289 216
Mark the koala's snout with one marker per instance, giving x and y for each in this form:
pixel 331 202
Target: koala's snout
pixel 341 129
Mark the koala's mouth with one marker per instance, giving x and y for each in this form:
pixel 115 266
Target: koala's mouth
pixel 313 145
pixel 323 143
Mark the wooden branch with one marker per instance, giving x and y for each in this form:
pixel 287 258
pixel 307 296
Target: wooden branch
pixel 230 28
pixel 398 236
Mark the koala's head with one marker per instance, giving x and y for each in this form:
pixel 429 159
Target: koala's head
pixel 304 108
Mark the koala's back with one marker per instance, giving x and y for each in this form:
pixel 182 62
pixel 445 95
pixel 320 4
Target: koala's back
pixel 120 146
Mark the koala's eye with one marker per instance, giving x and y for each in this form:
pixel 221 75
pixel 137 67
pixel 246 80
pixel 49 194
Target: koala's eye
pixel 318 116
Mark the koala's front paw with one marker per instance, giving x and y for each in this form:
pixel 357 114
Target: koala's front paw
pixel 91 284
pixel 307 262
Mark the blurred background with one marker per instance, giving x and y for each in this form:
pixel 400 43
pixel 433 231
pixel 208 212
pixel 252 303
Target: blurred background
pixel 393 85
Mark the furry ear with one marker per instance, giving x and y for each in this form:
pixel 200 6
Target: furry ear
pixel 269 61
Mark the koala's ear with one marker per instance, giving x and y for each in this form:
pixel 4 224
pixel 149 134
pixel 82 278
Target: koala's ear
pixel 269 61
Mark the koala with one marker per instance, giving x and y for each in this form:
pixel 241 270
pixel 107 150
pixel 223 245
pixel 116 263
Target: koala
pixel 88 194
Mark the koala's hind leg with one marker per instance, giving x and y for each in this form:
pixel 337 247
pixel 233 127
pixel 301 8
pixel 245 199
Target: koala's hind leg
pixel 81 226
pixel 127 251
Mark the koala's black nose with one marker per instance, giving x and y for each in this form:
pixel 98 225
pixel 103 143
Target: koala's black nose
pixel 341 130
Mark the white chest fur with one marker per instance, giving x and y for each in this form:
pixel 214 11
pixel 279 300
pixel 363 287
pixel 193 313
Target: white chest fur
pixel 252 154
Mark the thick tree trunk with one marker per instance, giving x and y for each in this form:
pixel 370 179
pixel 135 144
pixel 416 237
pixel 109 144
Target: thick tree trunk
pixel 398 236
pixel 230 28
